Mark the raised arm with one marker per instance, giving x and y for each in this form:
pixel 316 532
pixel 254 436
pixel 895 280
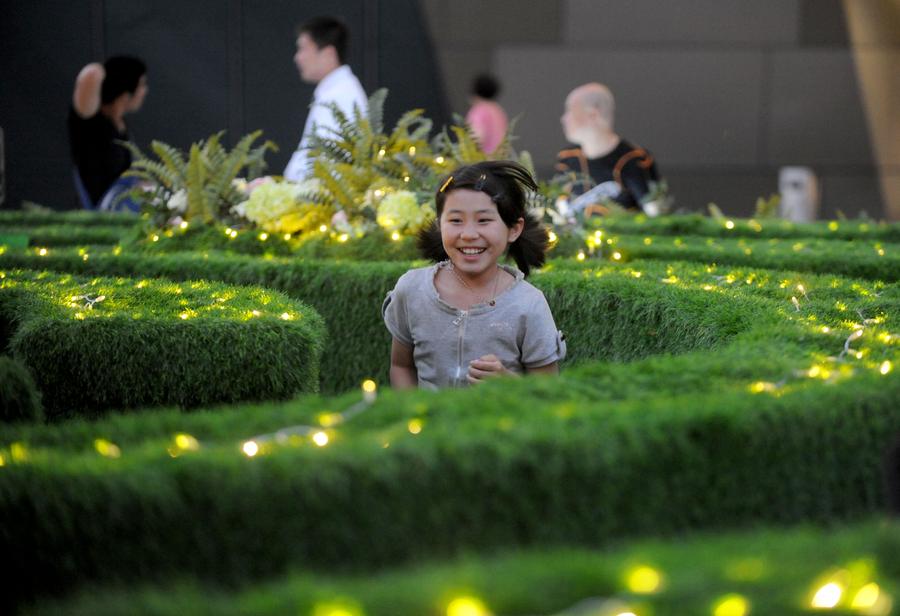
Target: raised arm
pixel 403 367
pixel 88 84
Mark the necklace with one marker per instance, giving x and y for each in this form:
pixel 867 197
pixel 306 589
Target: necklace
pixel 481 299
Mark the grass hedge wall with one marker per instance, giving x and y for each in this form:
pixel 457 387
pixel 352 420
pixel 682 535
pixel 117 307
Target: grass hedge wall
pixel 95 344
pixel 861 259
pixel 763 419
pixel 763 572
pixel 68 235
pixel 696 224
pixel 19 398
pixel 80 218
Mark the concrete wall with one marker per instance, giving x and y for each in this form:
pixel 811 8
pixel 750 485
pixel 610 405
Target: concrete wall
pixel 724 92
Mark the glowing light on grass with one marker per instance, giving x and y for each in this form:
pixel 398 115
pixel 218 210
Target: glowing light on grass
pixel 263 236
pixel 552 237
pixel 731 605
pixel 729 224
pixel 85 257
pixel 761 386
pixel 184 316
pixel 412 150
pixel 795 302
pixel 406 178
pixel 828 596
pixel 18 452
pixel 320 439
pixel 648 241
pixel 833 226
pixel 286 317
pixel 186 442
pixel 885 367
pixel 107 449
pixel 826 329
pixel 866 597
pixel 414 426
pixel 337 608
pixel 617 256
pixel 184 224
pixel 643 580
pixel 395 236
pixel 439 160
pixel 43 252
pixel 467 606
pixel 287 236
pixel 381 153
pixel 369 389
pixel 580 255
pixel 343 237
pixel 328 420
pixel 250 448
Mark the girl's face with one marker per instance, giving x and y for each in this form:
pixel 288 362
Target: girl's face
pixel 473 234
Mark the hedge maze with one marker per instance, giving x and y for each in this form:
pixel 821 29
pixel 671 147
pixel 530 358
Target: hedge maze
pixel 720 377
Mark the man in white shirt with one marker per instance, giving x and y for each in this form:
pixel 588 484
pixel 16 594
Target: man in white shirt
pixel 320 58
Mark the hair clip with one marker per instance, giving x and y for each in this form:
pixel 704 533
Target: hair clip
pixel 446 184
pixel 480 183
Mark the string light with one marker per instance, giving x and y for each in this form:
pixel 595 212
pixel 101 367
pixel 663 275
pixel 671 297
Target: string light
pixel 467 606
pixel 731 605
pixel 320 438
pixel 643 580
pixel 107 449
pixel 828 596
pixel 885 367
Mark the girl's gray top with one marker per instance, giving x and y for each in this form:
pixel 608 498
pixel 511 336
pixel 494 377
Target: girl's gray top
pixel 518 328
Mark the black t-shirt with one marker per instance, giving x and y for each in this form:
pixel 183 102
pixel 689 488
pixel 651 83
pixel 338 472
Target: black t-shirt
pixel 622 176
pixel 100 160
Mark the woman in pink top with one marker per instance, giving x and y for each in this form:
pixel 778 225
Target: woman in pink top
pixel 486 118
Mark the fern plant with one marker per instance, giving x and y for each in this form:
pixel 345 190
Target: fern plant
pixel 358 162
pixel 200 186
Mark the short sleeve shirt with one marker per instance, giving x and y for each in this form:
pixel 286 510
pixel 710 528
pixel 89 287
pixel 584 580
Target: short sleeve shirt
pixel 518 329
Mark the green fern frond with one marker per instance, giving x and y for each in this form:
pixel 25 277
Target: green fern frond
pixel 376 110
pixel 197 203
pixel 170 157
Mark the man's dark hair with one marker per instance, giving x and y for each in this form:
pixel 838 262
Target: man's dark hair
pixel 486 86
pixel 325 31
pixel 123 73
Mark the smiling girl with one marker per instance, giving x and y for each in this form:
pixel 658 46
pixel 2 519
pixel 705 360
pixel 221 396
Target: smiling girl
pixel 469 318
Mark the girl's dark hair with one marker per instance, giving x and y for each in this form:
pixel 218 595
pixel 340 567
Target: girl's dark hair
pixel 123 73
pixel 506 183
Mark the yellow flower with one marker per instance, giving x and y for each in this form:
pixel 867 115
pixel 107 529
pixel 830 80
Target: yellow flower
pixel 400 210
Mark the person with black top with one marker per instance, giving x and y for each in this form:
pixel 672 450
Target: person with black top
pixel 103 95
pixel 606 168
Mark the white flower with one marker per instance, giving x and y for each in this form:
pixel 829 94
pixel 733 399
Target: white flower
pixel 178 201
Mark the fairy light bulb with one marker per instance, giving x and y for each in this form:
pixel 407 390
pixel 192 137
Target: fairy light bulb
pixel 250 448
pixel 320 439
pixel 369 390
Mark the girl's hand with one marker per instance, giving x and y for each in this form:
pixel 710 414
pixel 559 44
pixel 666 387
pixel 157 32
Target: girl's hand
pixel 486 367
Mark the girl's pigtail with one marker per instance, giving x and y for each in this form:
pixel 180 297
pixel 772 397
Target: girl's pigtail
pixel 530 248
pixel 429 242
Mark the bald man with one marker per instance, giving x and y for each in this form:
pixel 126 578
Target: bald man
pixel 609 169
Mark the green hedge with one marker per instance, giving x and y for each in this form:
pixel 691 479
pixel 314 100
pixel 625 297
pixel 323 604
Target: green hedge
pixel 695 224
pixel 607 317
pixel 766 571
pixel 96 344
pixel 67 235
pixel 19 399
pixel 375 246
pixel 753 423
pixel 860 259
pixel 23 218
